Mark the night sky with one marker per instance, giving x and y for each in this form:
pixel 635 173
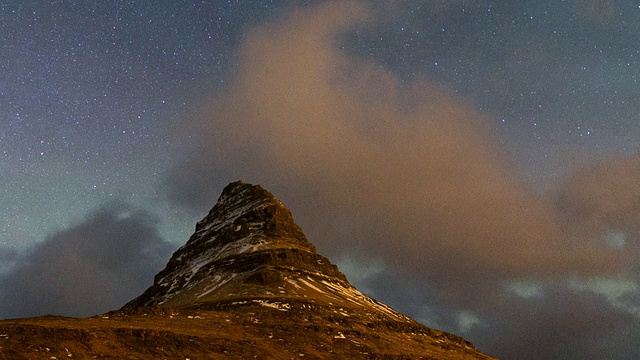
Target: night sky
pixel 474 164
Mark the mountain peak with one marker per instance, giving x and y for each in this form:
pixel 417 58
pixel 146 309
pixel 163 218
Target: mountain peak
pixel 249 249
pixel 247 245
pixel 250 210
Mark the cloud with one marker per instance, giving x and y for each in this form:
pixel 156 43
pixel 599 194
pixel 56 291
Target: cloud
pixel 603 200
pixel 7 259
pixel 93 267
pixel 530 321
pixel 375 165
pixel 562 324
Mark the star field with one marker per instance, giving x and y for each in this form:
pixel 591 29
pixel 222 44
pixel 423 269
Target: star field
pixel 87 94
pixel 556 80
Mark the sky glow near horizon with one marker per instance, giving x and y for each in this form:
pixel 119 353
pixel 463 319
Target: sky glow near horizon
pixel 473 164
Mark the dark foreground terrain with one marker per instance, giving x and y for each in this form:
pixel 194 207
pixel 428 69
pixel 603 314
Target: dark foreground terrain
pixel 243 331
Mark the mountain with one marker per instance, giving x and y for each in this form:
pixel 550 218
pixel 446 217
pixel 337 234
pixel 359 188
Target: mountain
pixel 249 249
pixel 247 284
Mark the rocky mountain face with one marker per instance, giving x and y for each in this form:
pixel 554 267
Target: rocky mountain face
pixel 247 284
pixel 250 249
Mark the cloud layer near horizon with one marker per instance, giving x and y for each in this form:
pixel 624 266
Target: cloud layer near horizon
pixel 87 269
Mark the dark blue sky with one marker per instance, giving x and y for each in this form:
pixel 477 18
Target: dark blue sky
pixel 135 105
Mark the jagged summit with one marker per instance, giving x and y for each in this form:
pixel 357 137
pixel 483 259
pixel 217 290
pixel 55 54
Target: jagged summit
pixel 248 249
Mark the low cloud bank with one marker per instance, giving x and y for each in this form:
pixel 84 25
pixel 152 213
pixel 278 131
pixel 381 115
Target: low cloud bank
pixel 87 269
